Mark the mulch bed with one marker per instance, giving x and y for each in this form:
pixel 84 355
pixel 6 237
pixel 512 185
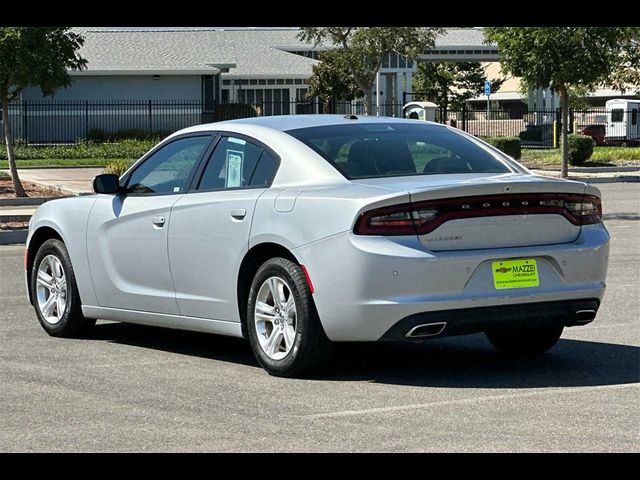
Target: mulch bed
pixel 32 190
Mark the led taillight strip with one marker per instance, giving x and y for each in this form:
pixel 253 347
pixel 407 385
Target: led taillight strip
pixel 475 207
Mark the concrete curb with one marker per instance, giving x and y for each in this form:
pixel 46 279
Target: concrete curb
pixel 614 179
pixel 23 201
pixel 594 169
pixel 56 188
pixel 14 218
pixel 8 237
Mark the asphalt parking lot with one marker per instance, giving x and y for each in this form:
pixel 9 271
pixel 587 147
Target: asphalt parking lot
pixel 135 388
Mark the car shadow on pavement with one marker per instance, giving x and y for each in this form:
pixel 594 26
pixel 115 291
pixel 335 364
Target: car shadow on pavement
pixel 471 362
pixel 214 347
pixel 457 362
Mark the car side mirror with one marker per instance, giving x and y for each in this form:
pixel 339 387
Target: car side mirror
pixel 107 183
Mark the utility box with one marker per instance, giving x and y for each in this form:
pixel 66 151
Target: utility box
pixel 420 111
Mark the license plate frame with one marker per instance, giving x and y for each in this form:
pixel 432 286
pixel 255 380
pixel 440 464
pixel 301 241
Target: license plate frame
pixel 519 273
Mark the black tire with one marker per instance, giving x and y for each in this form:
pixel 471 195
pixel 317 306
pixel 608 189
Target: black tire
pixel 72 323
pixel 311 348
pixel 525 341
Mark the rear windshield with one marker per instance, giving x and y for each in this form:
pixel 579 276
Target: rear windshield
pixel 369 150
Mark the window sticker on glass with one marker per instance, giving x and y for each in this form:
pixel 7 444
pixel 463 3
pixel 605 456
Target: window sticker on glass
pixel 239 141
pixel 234 168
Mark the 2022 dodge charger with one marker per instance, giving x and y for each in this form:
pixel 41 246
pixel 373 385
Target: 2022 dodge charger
pixel 300 231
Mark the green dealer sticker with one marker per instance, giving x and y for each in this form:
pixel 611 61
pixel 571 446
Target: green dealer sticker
pixel 515 274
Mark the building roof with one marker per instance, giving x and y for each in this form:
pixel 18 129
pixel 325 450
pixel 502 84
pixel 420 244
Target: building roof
pixel 255 52
pixel 461 37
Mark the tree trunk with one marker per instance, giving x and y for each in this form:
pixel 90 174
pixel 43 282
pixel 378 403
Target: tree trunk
pixel 564 138
pixel 368 108
pixel 8 137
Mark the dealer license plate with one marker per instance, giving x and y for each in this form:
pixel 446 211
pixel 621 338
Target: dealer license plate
pixel 515 274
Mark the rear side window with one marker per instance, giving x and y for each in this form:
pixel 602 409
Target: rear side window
pixel 616 115
pixel 237 163
pixel 370 150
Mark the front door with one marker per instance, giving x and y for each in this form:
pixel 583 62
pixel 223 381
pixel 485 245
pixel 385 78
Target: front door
pixel 209 231
pixel 127 234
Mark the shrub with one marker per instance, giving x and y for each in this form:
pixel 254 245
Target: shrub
pixel 123 149
pixel 580 149
pixel 99 136
pixel 509 145
pixel 116 167
pixel 229 111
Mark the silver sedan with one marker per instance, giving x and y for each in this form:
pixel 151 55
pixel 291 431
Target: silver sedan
pixel 300 231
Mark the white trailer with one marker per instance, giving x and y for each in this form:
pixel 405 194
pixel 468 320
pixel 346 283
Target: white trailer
pixel 623 124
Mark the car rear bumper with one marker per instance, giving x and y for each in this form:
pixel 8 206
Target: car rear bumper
pixel 423 326
pixel 366 285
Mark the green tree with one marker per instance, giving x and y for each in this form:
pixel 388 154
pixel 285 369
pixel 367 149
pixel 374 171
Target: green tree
pixel 561 58
pixel 38 57
pixel 332 80
pixel 627 74
pixel 450 84
pixel 363 49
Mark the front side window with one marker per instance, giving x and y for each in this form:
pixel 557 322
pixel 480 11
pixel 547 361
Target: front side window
pixel 369 150
pixel 237 163
pixel 168 169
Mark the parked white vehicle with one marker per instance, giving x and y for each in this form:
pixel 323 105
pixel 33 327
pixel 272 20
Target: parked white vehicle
pixel 623 124
pixel 299 231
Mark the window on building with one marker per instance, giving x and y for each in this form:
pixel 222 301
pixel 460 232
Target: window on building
pixel 634 116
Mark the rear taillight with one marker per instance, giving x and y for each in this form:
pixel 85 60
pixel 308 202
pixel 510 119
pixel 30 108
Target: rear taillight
pixel 420 218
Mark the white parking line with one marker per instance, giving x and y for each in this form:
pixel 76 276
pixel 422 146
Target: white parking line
pixel 462 401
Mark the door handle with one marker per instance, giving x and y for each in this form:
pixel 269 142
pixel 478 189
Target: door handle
pixel 158 220
pixel 238 213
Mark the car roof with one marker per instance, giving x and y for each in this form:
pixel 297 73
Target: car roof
pixel 284 123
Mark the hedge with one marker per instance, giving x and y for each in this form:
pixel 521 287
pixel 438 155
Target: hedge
pixel 580 149
pixel 123 149
pixel 509 145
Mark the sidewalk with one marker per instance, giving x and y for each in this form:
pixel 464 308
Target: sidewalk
pixel 75 181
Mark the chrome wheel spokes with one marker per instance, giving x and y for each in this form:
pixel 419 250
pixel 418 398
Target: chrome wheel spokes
pixel 51 289
pixel 275 317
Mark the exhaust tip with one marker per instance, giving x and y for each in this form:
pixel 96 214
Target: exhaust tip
pixel 426 330
pixel 585 316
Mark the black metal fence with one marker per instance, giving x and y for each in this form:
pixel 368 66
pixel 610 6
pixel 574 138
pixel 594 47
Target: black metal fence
pixel 49 122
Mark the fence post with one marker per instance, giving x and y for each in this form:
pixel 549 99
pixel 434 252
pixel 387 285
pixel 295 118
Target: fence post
pixel 571 125
pixel 464 117
pixel 150 120
pixel 86 119
pixel 25 123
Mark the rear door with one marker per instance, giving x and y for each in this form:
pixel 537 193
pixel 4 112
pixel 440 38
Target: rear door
pixel 209 231
pixel 617 126
pixel 127 234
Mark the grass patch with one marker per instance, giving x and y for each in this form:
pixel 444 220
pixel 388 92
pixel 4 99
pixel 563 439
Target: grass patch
pixel 614 156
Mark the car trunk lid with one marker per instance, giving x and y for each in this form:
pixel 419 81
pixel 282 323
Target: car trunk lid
pixel 475 211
